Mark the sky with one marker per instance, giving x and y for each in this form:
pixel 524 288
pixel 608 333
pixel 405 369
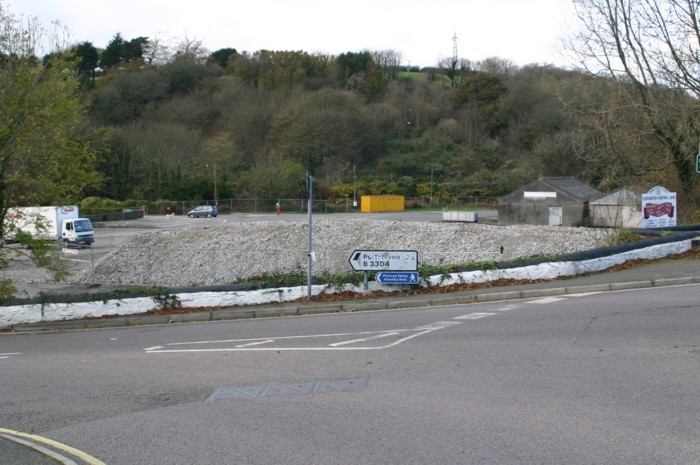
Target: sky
pixel 423 31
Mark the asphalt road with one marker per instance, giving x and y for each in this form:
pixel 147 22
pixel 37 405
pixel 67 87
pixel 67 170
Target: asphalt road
pixel 603 378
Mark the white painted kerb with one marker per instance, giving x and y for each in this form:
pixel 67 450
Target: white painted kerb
pixel 22 314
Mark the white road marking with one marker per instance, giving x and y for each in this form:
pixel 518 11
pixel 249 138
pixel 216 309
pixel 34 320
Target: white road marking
pixel 547 300
pixel 364 339
pixel 507 308
pixel 8 355
pixel 256 343
pixel 474 316
pixel 436 325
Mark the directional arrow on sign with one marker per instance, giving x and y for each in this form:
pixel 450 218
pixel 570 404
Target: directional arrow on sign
pixel 397 277
pixel 384 260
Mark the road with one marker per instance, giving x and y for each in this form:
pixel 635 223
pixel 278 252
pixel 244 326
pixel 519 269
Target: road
pixel 601 378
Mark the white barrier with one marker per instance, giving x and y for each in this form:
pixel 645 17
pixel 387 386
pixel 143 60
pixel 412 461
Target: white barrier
pixel 36 313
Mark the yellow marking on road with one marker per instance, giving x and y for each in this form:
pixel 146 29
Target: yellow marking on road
pixel 50 442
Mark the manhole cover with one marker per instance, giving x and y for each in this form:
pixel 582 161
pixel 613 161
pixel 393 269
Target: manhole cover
pixel 291 389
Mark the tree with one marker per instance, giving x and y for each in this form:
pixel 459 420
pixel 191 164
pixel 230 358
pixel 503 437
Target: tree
pixel 482 93
pixel 222 56
pixel 42 160
pixel 112 54
pixel 87 59
pixel 651 49
pixel 120 51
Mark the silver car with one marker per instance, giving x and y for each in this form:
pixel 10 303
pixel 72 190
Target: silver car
pixel 206 211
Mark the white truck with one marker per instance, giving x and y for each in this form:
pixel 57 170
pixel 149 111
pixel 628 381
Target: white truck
pixel 50 223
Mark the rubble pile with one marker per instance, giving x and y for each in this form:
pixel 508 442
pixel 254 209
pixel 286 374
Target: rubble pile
pixel 231 252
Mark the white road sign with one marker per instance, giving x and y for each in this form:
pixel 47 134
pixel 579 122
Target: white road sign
pixel 384 260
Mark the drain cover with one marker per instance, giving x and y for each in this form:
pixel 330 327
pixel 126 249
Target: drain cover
pixel 291 389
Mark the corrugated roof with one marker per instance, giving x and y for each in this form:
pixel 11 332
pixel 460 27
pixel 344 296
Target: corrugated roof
pixel 573 187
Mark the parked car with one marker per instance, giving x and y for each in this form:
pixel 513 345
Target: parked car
pixel 207 211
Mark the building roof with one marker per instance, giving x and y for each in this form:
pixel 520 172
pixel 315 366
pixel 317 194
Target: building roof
pixel 621 197
pixel 573 187
pixel 568 186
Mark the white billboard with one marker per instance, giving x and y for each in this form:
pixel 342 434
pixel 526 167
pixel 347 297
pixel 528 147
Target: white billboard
pixel 659 208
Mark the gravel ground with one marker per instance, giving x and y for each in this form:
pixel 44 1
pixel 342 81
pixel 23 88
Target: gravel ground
pixel 225 253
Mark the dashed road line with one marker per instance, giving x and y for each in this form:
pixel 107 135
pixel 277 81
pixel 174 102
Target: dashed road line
pixel 9 354
pixel 474 316
pixel 506 308
pixel 547 300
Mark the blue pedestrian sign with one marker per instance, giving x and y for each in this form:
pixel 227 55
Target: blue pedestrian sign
pixel 398 277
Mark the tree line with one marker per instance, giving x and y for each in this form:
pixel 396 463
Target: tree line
pixel 181 123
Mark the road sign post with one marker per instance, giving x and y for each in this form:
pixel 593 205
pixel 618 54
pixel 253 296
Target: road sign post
pixel 384 260
pixel 398 262
pixel 398 277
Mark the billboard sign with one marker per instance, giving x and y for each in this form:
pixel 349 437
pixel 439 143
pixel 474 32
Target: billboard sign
pixel 659 208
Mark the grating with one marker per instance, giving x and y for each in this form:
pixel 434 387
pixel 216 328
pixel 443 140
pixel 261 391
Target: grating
pixel 290 389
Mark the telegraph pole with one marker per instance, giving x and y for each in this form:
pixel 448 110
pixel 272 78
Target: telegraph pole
pixel 309 247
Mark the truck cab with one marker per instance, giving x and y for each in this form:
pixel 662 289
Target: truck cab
pixel 77 231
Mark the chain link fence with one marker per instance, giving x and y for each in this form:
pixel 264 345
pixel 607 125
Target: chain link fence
pixel 253 205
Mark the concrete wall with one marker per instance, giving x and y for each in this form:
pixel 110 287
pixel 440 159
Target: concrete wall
pixel 34 313
pixel 536 212
pixel 616 216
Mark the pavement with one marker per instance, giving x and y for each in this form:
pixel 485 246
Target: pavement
pixel 664 272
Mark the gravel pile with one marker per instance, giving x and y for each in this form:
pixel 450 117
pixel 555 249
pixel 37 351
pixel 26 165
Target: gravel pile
pixel 223 254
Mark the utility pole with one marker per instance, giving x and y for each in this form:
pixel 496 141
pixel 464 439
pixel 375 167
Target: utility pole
pixel 309 249
pixel 354 181
pixel 216 195
pixel 455 59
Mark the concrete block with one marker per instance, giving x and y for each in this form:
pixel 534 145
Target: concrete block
pixel 233 313
pixel 530 293
pixel 407 303
pixel 50 326
pixel 105 323
pixel 363 306
pixel 452 300
pixel 190 317
pixel 148 320
pixel 319 309
pixel 589 288
pixel 631 285
pixel 674 281
pixel 496 296
pixel 269 312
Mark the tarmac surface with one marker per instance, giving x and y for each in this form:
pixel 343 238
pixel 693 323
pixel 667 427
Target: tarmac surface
pixel 665 272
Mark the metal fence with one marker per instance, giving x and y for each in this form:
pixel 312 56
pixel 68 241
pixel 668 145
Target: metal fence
pixel 254 205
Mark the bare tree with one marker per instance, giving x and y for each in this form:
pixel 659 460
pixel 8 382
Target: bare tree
pixel 191 48
pixel 389 61
pixel 155 51
pixel 651 49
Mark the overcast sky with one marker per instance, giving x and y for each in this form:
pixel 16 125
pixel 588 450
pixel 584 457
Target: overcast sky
pixel 523 31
